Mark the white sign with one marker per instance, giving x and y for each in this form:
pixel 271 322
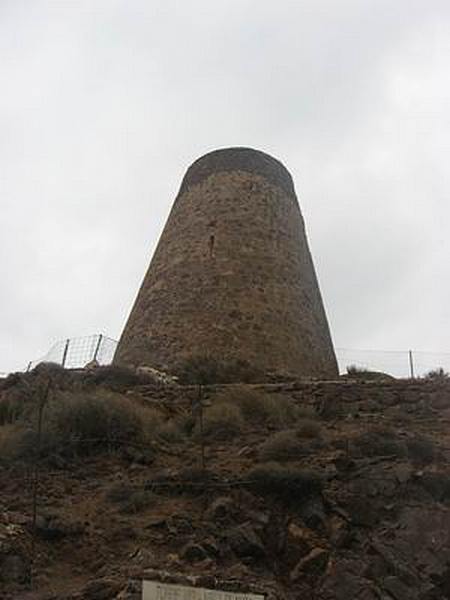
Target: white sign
pixel 154 590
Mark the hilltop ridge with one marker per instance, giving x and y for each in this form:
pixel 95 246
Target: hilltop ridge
pixel 313 490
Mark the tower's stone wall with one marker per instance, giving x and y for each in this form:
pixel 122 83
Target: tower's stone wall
pixel 232 276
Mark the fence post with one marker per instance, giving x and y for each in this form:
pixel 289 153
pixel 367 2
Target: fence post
pixel 29 366
pixel 66 349
pixel 45 390
pixel 97 347
pixel 411 364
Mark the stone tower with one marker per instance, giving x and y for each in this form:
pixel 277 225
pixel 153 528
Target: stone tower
pixel 232 276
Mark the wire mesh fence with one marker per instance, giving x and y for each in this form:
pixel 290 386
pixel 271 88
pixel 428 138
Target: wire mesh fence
pixel 75 353
pixel 398 363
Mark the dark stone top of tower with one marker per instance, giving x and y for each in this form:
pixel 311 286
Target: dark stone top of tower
pixel 239 159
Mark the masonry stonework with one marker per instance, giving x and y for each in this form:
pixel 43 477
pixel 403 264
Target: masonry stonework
pixel 232 276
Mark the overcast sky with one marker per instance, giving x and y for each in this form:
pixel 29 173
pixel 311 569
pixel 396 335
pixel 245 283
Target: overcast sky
pixel 105 103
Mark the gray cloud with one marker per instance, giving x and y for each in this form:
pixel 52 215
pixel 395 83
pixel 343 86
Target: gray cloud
pixel 104 105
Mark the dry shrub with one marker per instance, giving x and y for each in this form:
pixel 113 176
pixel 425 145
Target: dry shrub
pixel 130 499
pixel 292 444
pixel 171 432
pixel 117 378
pixel 308 429
pixel 258 407
pixel 378 442
pixel 139 501
pixel 222 421
pixel 437 375
pixel 288 483
pixel 12 408
pixel 9 435
pixel 437 484
pixel 421 450
pixel 283 446
pixel 79 424
pixel 82 420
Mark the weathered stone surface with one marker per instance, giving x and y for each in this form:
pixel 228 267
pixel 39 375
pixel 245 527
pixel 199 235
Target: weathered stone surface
pixel 101 589
pixel 193 552
pixel 232 276
pixel 245 542
pixel 52 527
pixel 14 568
pixel 221 508
pixel 314 563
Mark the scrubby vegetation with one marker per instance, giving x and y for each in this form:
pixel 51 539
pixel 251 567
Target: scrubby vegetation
pixel 283 446
pixel 437 375
pixel 11 409
pixel 222 421
pixel 129 498
pixel 292 484
pixel 260 408
pixel 116 378
pixel 76 424
pixel 291 444
pixel 379 441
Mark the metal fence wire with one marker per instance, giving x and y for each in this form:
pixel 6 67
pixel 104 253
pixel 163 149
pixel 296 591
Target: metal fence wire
pixel 398 363
pixel 75 353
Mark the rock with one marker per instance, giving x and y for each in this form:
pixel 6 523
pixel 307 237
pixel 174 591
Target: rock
pixel 313 563
pixel 259 517
pixel 340 533
pixel 144 456
pixel 193 553
pixel 245 542
pixel 14 568
pixel 220 509
pixel 342 583
pixel 132 591
pixel 101 589
pixel 143 557
pixel 300 541
pixel 313 514
pixel 51 527
pixel 398 590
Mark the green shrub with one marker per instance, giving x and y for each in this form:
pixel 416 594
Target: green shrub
pixel 289 483
pixel 222 421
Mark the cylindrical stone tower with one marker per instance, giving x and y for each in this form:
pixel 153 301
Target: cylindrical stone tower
pixel 232 276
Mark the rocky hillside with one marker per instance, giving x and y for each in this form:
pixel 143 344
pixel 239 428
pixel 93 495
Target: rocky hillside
pixel 312 490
